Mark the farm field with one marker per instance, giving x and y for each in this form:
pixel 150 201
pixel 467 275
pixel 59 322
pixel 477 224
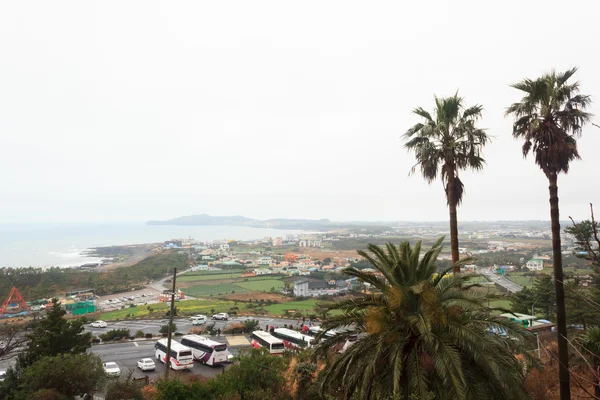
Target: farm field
pixel 261 285
pixel 207 277
pixel 299 306
pixel 216 289
pixel 186 307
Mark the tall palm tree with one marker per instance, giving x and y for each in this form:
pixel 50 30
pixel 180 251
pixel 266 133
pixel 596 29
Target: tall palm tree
pixel 421 334
pixel 445 143
pixel 549 118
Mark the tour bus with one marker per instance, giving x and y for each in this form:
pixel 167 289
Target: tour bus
pixel 268 341
pixel 205 350
pixel 350 340
pixel 292 339
pixel 181 356
pixel 315 330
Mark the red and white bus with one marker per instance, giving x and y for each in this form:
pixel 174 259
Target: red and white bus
pixel 205 350
pixel 264 339
pixel 181 356
pixel 292 339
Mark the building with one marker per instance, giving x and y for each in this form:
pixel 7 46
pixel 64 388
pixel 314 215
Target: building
pixel 277 242
pixel 264 261
pixel 535 264
pixel 262 271
pixel 321 288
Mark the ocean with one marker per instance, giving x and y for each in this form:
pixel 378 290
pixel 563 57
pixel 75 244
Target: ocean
pixel 64 245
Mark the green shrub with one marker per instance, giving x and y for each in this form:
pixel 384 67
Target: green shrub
pixel 139 334
pixel 115 334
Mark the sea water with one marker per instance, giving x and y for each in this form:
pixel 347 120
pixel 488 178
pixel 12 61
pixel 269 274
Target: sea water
pixel 65 245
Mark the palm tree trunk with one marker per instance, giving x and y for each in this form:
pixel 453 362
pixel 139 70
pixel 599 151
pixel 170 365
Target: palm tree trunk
pixel 561 324
pixel 452 201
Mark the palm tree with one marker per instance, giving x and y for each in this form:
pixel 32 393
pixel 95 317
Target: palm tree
pixel 421 334
pixel 549 118
pixel 445 143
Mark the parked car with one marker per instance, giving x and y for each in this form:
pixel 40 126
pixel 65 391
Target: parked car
pixel 146 364
pixel 111 369
pixel 98 324
pixel 2 375
pixel 222 316
pixel 199 319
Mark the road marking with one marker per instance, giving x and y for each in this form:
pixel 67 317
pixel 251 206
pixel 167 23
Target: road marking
pixel 136 345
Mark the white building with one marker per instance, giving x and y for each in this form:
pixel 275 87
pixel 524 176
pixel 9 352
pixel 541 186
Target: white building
pixel 264 261
pixel 314 289
pixel 535 264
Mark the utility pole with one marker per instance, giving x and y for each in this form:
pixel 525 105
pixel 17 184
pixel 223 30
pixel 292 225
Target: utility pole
pixel 168 356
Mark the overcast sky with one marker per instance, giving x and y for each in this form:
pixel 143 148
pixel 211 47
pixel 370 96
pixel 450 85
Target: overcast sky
pixel 135 110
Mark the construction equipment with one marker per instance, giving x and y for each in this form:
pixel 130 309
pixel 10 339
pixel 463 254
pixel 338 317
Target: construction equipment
pixel 14 305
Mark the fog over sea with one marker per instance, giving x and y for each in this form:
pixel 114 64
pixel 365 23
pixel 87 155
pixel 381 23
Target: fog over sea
pixel 64 245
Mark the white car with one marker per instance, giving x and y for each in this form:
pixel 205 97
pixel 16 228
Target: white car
pixel 199 319
pixel 2 375
pixel 98 324
pixel 146 364
pixel 222 316
pixel 112 369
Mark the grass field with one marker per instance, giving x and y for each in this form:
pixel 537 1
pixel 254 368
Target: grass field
pixel 186 307
pixel 520 280
pixel 215 290
pixel 299 306
pixel 261 285
pixel 500 303
pixel 209 277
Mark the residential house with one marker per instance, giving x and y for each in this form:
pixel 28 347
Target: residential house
pixel 264 261
pixel 320 288
pixel 263 271
pixel 535 264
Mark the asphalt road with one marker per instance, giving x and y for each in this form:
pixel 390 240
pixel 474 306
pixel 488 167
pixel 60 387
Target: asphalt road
pixel 502 281
pixel 184 324
pixel 126 355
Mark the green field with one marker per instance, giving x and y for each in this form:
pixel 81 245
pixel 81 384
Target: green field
pixel 254 285
pixel 500 303
pixel 207 277
pixel 186 307
pixel 299 306
pixel 215 290
pixel 520 279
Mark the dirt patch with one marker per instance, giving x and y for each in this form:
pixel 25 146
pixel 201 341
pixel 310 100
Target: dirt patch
pixel 257 295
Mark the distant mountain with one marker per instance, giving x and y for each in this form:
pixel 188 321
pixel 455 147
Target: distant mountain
pixel 206 220
pixel 237 220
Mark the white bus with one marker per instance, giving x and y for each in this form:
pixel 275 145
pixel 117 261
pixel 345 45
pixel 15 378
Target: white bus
pixel 292 339
pixel 181 356
pixel 205 350
pixel 268 341
pixel 315 330
pixel 350 340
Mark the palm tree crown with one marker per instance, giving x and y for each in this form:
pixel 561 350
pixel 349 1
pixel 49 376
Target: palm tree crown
pixel 444 144
pixel 421 334
pixel 447 141
pixel 549 117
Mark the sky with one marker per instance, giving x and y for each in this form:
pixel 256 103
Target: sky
pixel 137 110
